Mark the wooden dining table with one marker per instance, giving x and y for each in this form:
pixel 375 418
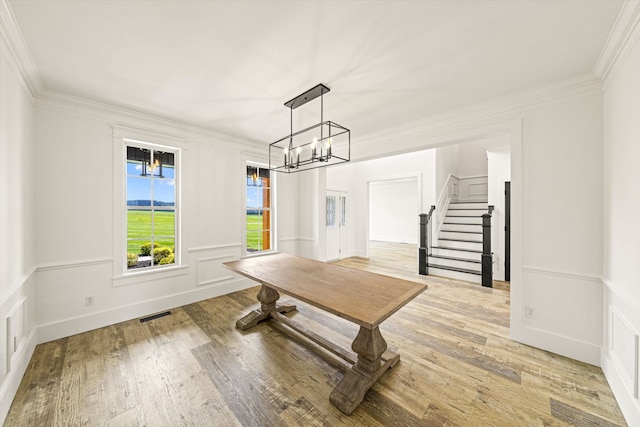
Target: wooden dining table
pixel 364 298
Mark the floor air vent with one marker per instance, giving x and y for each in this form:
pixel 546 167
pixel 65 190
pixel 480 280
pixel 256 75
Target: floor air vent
pixel 154 316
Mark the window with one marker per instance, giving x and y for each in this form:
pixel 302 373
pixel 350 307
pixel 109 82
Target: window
pixel 151 207
pixel 258 209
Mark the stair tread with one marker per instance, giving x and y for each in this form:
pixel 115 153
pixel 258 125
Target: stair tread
pixel 459 270
pixel 459 240
pixel 468 203
pixel 452 258
pixel 456 249
pixel 463 216
pixel 460 231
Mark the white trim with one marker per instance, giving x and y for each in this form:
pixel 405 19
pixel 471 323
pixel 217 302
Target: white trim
pixel 12 381
pixel 18 51
pixel 17 284
pixel 213 247
pixel 57 101
pixel 16 354
pixel 73 264
pixel 78 324
pixel 147 275
pixel 217 279
pixel 471 123
pixel 623 36
pixel 562 273
pixel 632 387
pixel 562 345
pixel 629 299
pixel 630 407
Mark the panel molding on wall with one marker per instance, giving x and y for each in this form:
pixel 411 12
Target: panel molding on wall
pixel 551 328
pixel 210 270
pixel 623 350
pixel 16 323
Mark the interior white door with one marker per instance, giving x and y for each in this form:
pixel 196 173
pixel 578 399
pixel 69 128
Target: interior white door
pixel 336 225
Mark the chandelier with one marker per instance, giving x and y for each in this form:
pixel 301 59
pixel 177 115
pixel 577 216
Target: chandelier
pixel 323 144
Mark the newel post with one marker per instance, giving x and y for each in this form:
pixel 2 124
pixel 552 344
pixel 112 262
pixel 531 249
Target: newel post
pixel 487 261
pixel 422 251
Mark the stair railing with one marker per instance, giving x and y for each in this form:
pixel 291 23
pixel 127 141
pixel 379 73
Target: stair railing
pixel 487 256
pixel 425 242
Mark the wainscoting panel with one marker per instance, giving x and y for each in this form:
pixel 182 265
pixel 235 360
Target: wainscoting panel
pixel 473 188
pixel 570 323
pixel 16 332
pixel 210 269
pixel 623 350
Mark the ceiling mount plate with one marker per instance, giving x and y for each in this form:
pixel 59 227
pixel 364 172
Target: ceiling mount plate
pixel 309 95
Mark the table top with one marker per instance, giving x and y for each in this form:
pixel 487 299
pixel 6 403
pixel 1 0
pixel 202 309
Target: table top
pixel 359 296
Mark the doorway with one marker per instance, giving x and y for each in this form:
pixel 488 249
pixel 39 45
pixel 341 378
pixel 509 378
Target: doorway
pixel 394 206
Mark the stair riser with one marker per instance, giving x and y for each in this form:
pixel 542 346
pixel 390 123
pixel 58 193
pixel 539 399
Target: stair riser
pixel 472 220
pixel 460 245
pixel 455 275
pixel 466 212
pixel 484 206
pixel 454 263
pixel 457 254
pixel 476 228
pixel 463 236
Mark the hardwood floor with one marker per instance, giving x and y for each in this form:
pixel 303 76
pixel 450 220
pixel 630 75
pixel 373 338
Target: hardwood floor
pixel 457 367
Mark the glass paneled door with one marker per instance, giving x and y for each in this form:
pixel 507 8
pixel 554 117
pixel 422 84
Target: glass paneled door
pixel 336 223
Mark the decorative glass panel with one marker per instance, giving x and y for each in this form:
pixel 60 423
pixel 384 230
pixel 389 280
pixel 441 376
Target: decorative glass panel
pixel 331 211
pixel 343 211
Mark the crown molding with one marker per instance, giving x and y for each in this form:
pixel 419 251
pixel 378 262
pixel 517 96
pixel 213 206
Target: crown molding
pixel 124 117
pixel 444 127
pixel 14 45
pixel 623 36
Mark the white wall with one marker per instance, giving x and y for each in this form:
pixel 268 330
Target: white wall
pixel 621 270
pixel 561 185
pixel 499 171
pixel 393 209
pixel 472 158
pixel 17 207
pixel 79 219
pixel 446 164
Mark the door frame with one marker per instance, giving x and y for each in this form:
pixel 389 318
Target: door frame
pixel 418 177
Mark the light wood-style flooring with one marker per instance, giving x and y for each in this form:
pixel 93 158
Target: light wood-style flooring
pixel 458 368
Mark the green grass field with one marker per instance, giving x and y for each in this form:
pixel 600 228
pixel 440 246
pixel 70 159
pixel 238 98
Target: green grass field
pixel 139 229
pixel 254 232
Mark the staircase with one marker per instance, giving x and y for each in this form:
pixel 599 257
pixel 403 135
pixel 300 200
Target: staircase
pixel 457 251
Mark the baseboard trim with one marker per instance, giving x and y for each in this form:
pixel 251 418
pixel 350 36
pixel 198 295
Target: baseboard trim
pixel 79 324
pixel 14 377
pixel 629 406
pixel 559 344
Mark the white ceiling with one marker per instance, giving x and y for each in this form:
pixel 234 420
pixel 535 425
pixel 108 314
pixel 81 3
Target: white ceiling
pixel 229 66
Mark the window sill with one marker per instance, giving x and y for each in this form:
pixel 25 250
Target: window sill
pixel 149 275
pixel 259 254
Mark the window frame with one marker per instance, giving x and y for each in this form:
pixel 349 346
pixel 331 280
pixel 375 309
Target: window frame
pixel 245 209
pixel 122 137
pixel 153 209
